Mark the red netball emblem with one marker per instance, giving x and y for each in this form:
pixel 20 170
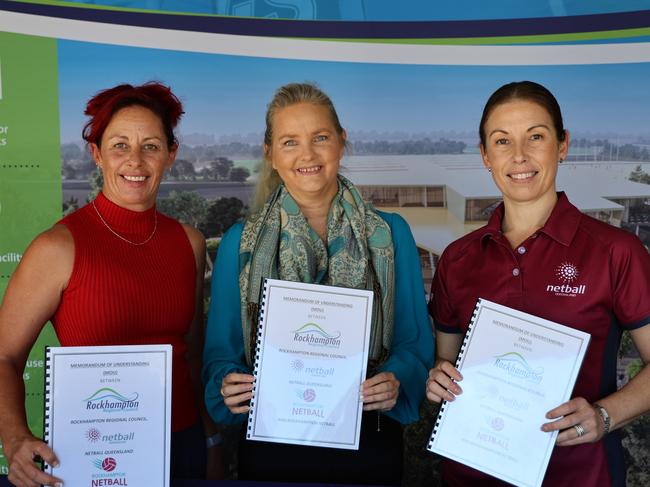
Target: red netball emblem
pixel 109 464
pixel 309 395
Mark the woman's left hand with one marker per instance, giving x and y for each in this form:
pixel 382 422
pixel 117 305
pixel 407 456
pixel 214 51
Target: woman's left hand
pixel 380 392
pixel 576 416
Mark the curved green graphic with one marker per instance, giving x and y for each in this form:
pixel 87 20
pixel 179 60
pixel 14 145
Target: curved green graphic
pixel 517 366
pixel 314 328
pixel 108 393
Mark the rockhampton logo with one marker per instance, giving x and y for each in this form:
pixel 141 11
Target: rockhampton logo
pixel 515 365
pixel 108 475
pixel 566 273
pixel 109 400
pixel 316 336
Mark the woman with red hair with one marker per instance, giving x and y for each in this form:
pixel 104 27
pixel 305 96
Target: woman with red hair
pixel 115 272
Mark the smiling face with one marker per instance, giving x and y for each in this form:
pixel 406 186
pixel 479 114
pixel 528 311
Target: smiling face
pixel 306 151
pixel 133 157
pixel 522 150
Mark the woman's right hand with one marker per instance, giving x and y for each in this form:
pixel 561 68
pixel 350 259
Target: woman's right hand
pixel 236 390
pixel 23 472
pixel 442 382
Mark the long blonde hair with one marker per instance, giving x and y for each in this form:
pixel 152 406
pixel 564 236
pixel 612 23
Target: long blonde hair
pixel 287 95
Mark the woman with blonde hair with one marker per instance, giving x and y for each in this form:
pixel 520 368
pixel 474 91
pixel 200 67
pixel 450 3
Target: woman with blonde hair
pixel 310 224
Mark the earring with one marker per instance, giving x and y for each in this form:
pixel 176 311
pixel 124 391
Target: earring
pixel 561 160
pixel 489 169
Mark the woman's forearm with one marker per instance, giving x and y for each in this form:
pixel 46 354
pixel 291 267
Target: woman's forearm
pixel 12 406
pixel 630 401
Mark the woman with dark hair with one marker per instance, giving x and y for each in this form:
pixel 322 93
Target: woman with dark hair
pixel 535 241
pixel 115 272
pixel 310 224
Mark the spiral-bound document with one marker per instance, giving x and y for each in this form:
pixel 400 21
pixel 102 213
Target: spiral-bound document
pixel 516 367
pixel 310 361
pixel 108 414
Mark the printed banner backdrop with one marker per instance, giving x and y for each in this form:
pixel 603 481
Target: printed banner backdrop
pixel 30 174
pixel 409 87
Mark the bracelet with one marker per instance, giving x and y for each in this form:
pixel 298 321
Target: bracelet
pixel 605 415
pixel 213 440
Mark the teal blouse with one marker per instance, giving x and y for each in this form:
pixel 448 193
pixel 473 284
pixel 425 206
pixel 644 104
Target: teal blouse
pixel 412 350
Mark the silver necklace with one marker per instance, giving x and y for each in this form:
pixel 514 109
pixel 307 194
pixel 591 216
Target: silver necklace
pixel 155 227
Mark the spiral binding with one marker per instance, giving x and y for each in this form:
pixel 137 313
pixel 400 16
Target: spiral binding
pixel 48 396
pixel 459 359
pixel 256 362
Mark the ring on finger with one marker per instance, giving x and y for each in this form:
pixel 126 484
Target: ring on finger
pixel 579 429
pixel 223 394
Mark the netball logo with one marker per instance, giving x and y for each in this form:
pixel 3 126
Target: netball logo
pixel 567 272
pixel 296 365
pixel 93 435
pixel 108 464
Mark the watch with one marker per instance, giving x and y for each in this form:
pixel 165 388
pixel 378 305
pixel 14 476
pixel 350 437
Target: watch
pixel 213 440
pixel 605 415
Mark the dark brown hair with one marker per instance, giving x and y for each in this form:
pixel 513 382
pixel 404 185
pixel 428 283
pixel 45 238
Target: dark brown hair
pixel 528 91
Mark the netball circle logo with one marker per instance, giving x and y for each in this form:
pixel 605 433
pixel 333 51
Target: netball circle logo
pixel 109 464
pixel 297 365
pixel 309 395
pixel 93 435
pixel 567 272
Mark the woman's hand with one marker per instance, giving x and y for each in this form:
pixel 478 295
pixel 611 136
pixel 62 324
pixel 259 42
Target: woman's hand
pixel 442 382
pixel 380 392
pixel 23 472
pixel 579 422
pixel 236 390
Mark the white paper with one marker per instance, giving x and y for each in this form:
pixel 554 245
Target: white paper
pixel 516 367
pixel 313 353
pixel 109 414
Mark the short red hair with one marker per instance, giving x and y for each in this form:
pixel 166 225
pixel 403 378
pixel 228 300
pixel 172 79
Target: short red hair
pixel 152 95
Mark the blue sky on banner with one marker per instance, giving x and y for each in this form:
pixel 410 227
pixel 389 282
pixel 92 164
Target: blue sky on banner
pixel 227 95
pixel 385 10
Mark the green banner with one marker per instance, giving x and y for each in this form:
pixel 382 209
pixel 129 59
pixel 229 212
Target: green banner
pixel 30 175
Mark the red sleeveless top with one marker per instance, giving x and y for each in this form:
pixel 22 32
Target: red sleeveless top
pixel 124 294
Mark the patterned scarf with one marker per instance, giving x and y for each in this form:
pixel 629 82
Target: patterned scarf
pixel 277 242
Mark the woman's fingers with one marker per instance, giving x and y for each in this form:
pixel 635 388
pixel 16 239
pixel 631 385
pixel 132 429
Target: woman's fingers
pixel 578 422
pixel 23 472
pixel 237 390
pixel 441 384
pixel 380 392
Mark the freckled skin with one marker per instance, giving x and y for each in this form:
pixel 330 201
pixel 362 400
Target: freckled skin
pixel 133 145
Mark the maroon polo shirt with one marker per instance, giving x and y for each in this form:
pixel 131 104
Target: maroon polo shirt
pixel 577 271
